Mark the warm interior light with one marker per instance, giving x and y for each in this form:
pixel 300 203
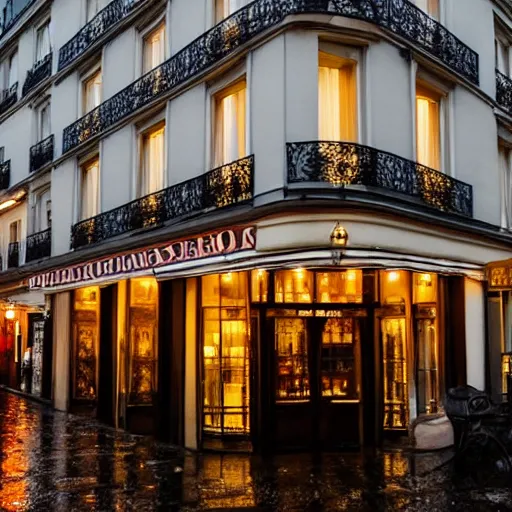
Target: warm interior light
pixel 351 275
pixel 425 279
pixel 227 277
pixel 260 274
pixel 6 204
pixel 9 314
pixel 393 277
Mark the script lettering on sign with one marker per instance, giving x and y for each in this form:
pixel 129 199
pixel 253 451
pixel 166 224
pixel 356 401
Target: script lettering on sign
pixel 219 243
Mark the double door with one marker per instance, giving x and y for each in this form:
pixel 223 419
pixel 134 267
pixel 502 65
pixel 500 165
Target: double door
pixel 316 378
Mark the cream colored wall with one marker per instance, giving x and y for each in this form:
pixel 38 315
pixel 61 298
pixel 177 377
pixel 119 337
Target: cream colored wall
pixel 191 382
pixel 475 333
pixel 61 349
pixel 182 33
pixel 12 215
pixel 63 196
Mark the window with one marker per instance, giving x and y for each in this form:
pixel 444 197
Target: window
pixel 12 70
pixel 43 122
pixel 92 92
pixel 431 7
pixel 229 124
pixel 502 56
pixel 89 189
pixel 154 48
pixel 14 231
pixel 337 98
pixel 294 286
pixel 94 7
pixel 340 287
pixel 43 44
pixel 152 166
pixel 43 211
pixel 428 127
pixel 2 154
pixel 224 8
pixel 506 187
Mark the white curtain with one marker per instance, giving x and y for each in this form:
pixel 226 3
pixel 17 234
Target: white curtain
pixel 43 46
pixel 427 132
pixel 44 128
pixel 502 57
pixel 154 49
pixel 230 128
pixel 506 188
pixel 92 92
pixel 90 190
pixel 337 103
pixel 152 178
pixel 13 69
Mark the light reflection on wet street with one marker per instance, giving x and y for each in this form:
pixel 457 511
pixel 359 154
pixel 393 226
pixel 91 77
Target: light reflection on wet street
pixel 52 461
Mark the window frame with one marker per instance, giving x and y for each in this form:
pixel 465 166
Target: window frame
pixel 39 208
pixel 6 65
pixel 45 23
pixel 503 38
pixel 143 33
pixel 505 171
pixel 38 109
pixel 218 90
pixel 16 223
pixel 86 77
pixel 82 162
pixel 143 130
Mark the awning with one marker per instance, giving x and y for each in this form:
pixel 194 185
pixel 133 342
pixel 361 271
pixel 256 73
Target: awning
pixel 34 298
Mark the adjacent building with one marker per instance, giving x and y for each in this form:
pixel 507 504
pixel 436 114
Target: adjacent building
pixel 261 224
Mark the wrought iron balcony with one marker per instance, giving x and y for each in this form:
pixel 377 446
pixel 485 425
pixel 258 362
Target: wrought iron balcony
pixel 229 185
pixel 343 164
pixel 504 91
pixel 107 18
pixel 13 255
pixel 39 245
pixel 12 11
pixel 41 154
pixel 5 175
pixel 40 71
pixel 8 98
pixel 397 16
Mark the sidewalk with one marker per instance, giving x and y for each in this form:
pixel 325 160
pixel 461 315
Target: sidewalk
pixel 53 461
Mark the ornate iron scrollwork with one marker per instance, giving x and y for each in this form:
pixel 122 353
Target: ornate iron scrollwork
pixel 39 245
pixel 5 175
pixel 504 91
pixel 40 71
pixel 41 154
pixel 398 16
pixel 228 185
pixel 8 98
pixel 344 163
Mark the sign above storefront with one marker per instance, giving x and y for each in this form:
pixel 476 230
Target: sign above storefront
pixel 499 275
pixel 218 243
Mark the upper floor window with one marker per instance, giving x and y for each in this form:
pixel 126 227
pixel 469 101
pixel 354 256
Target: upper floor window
pixel 428 127
pixel 502 55
pixel 11 70
pixel 152 165
pixel 89 188
pixel 431 7
pixel 43 211
pixel 94 7
pixel 337 98
pixel 91 92
pixel 229 124
pixel 15 231
pixel 43 44
pixel 43 121
pixel 506 186
pixel 153 48
pixel 224 8
pixel 2 154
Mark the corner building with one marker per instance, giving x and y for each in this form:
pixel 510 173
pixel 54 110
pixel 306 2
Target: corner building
pixel 270 220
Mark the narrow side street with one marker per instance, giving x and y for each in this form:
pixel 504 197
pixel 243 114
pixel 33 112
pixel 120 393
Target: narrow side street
pixel 52 461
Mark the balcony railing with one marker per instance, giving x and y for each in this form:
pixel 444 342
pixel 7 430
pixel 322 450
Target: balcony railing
pixel 8 98
pixel 40 71
pixel 41 154
pixel 107 18
pixel 13 255
pixel 12 11
pixel 343 164
pixel 398 16
pixel 229 185
pixel 5 175
pixel 504 91
pixel 39 245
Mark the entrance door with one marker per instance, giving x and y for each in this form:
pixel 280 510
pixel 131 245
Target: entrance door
pixel 317 380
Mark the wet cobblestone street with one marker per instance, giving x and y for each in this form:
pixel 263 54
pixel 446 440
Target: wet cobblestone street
pixel 53 461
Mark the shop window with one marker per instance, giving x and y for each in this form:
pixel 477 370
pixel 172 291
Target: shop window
pixel 143 319
pixel 337 98
pixel 91 91
pixel 394 287
pixel 259 286
pixel 153 48
pixel 229 126
pixel 425 288
pixel 89 188
pixel 86 342
pixel 428 127
pixel 152 165
pixel 292 359
pixel 340 287
pixel 294 286
pixel 340 340
pixel 225 353
pixel 506 349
